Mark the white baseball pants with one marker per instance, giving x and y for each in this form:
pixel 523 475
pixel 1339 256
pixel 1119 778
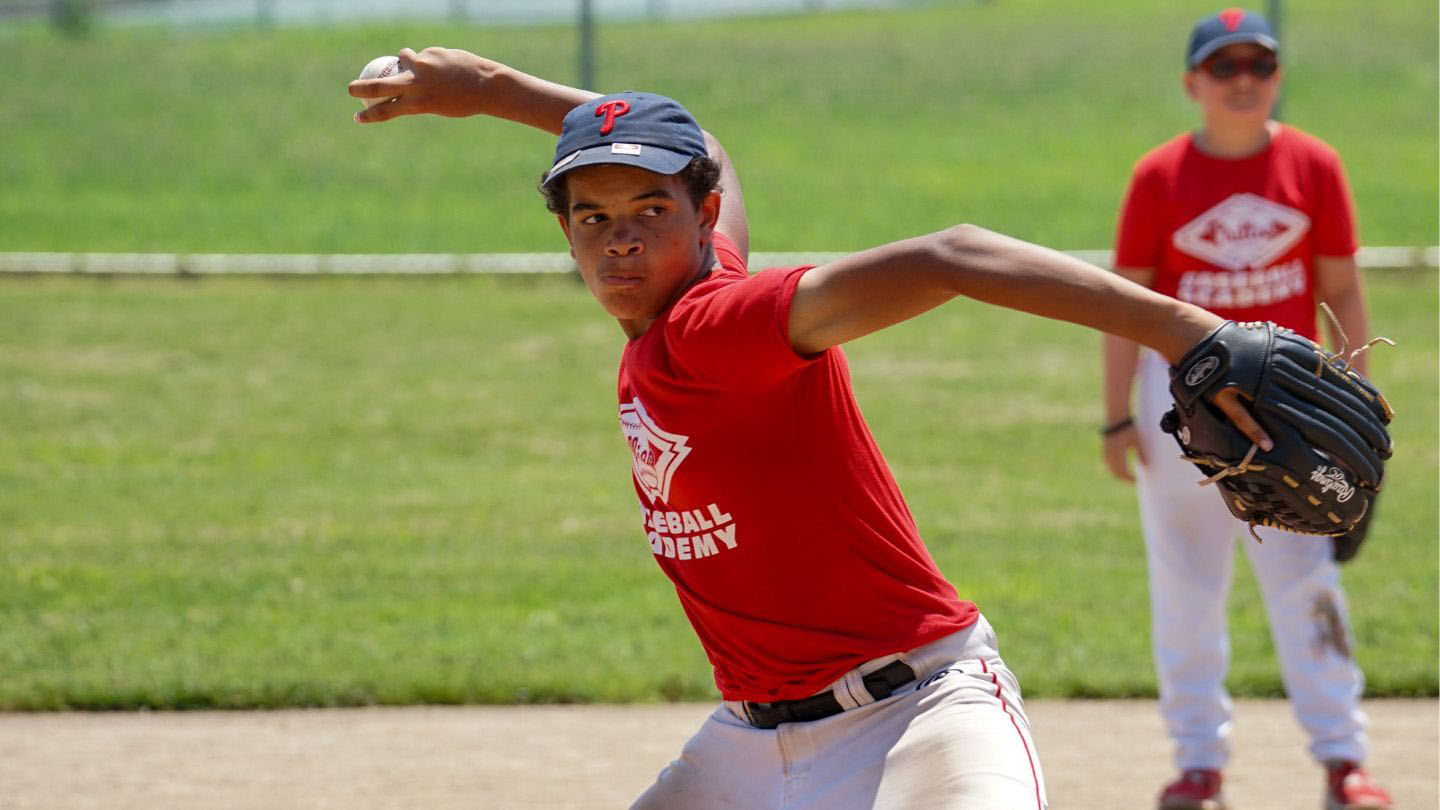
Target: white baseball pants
pixel 1190 546
pixel 955 737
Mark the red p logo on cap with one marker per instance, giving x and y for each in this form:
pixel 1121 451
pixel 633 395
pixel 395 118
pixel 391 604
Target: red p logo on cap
pixel 611 110
pixel 1232 17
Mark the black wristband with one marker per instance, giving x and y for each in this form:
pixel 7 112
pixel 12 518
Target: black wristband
pixel 1112 429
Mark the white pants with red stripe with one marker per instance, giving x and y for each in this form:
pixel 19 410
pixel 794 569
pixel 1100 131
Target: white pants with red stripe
pixel 955 737
pixel 1190 547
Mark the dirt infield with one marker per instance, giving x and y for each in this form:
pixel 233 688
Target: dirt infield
pixel 1097 754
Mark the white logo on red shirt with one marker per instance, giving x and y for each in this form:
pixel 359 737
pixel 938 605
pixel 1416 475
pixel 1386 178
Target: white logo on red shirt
pixel 1243 231
pixel 1256 288
pixel 656 452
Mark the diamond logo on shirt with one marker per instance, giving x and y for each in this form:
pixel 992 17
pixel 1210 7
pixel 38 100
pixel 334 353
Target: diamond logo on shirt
pixel 1243 231
pixel 657 453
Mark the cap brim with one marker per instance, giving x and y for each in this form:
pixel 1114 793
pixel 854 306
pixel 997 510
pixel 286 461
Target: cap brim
pixel 1268 43
pixel 651 158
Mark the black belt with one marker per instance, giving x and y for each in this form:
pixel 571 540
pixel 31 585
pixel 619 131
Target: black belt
pixel 880 684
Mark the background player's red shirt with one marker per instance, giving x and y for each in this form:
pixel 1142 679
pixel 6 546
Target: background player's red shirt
pixel 764 497
pixel 1239 237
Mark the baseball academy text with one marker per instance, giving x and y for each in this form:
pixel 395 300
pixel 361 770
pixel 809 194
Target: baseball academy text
pixel 1256 288
pixel 690 534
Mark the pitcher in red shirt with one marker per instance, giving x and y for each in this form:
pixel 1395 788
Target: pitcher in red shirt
pixel 1252 220
pixel 852 674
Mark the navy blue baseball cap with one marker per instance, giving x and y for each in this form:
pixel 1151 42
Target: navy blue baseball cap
pixel 632 129
pixel 1229 27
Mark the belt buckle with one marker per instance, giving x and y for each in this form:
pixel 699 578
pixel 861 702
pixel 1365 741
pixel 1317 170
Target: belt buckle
pixel 772 715
pixel 877 683
pixel 750 713
pixel 877 686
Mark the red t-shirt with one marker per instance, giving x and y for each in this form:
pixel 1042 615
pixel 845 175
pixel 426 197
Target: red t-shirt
pixel 1239 237
pixel 764 497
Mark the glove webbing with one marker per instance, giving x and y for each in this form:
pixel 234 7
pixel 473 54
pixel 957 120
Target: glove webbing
pixel 1243 466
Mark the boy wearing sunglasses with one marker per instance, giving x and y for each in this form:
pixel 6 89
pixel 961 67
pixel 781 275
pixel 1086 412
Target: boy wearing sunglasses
pixel 1252 220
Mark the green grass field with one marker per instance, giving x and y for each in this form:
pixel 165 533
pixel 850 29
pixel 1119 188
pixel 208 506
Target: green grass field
pixel 848 129
pixel 268 492
pixel 252 492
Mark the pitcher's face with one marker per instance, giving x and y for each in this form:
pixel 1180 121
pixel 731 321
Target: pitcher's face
pixel 636 236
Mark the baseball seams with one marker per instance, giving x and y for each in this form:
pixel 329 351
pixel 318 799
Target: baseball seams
pixel 381 67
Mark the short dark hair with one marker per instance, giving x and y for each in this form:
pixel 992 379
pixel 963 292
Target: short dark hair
pixel 700 177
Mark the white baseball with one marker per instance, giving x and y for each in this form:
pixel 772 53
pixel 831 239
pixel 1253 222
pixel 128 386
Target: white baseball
pixel 379 68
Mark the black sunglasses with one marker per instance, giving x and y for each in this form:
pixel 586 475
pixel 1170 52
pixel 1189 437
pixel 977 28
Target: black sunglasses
pixel 1261 67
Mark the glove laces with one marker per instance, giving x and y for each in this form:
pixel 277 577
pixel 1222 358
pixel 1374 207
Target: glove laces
pixel 1340 357
pixel 1244 465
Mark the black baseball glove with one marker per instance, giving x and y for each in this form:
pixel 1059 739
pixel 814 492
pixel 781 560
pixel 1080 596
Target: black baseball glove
pixel 1344 547
pixel 1327 423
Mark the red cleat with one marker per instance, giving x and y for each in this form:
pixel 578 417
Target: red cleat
pixel 1196 789
pixel 1349 787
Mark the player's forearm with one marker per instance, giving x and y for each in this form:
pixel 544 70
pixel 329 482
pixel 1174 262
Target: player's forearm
pixel 871 290
pixel 456 83
pixel 517 96
pixel 1000 270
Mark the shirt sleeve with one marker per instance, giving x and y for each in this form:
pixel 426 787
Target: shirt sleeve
pixel 728 254
pixel 1139 240
pixel 734 333
pixel 1334 226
